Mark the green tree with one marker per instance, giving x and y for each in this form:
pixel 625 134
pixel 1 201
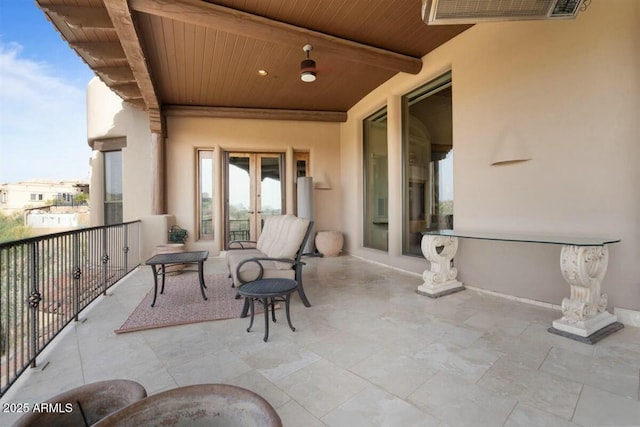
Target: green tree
pixel 80 199
pixel 446 207
pixel 12 228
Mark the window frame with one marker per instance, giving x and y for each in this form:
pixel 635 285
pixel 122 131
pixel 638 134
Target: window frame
pixel 432 87
pixel 203 154
pixel 368 238
pixel 107 220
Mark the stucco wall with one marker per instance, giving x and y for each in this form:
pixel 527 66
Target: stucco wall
pixel 571 91
pixel 110 117
pixel 137 166
pixel 186 134
pixel 105 117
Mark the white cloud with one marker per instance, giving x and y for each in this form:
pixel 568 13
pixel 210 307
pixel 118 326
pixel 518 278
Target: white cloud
pixel 42 121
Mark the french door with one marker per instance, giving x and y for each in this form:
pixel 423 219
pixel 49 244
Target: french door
pixel 254 190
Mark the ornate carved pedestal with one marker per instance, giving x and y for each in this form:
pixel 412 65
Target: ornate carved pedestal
pixel 584 315
pixel 583 262
pixel 441 279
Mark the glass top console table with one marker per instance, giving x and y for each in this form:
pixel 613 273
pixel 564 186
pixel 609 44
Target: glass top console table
pixel 583 262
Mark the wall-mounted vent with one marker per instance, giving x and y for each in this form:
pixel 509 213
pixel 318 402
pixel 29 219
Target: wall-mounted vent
pixel 438 12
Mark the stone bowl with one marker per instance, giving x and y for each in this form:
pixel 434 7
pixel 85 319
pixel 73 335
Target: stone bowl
pixel 206 405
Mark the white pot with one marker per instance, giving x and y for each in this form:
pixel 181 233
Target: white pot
pixel 329 243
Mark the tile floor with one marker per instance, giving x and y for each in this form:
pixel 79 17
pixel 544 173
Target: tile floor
pixel 370 352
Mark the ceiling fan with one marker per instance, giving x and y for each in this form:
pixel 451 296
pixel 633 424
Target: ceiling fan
pixel 308 66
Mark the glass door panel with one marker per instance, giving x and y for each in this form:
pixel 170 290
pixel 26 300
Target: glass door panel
pixel 376 181
pixel 428 162
pixel 269 197
pixel 240 205
pixel 254 192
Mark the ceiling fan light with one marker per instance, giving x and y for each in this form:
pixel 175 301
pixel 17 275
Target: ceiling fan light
pixel 308 70
pixel 308 76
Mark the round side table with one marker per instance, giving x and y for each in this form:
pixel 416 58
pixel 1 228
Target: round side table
pixel 268 292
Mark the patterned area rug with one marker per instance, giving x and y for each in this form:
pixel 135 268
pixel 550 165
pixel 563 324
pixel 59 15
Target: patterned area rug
pixel 182 303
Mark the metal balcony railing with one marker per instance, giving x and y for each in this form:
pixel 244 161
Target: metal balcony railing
pixel 239 229
pixel 46 281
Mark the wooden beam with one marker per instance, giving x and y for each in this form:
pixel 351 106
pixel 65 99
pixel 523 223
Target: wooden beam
pixel 441 148
pixel 201 13
pixel 109 144
pixel 100 51
pixel 156 121
pixel 127 90
pixel 123 23
pixel 137 103
pixel 116 75
pixel 81 17
pixel 254 113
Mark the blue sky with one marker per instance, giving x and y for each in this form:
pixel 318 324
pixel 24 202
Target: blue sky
pixel 42 99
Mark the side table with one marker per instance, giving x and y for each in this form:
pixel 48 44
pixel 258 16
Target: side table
pixel 162 260
pixel 268 291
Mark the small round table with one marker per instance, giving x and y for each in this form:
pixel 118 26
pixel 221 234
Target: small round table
pixel 269 291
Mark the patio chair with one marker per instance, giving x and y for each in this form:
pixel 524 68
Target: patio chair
pixel 276 254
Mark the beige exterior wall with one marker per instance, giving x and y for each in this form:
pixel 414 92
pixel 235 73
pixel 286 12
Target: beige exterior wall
pixel 109 117
pixel 106 116
pixel 137 167
pixel 186 135
pixel 571 91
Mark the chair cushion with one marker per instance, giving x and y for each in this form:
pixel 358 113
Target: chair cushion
pixel 282 236
pixel 251 270
pixel 236 256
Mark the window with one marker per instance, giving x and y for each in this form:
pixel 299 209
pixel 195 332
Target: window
pixel 301 159
pixel 205 194
pixel 376 185
pixel 428 161
pixel 302 163
pixel 34 197
pixel 112 187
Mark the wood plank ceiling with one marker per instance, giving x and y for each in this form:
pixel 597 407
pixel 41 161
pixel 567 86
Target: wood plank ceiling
pixel 202 57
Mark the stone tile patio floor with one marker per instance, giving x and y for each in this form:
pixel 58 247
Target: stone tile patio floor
pixel 370 352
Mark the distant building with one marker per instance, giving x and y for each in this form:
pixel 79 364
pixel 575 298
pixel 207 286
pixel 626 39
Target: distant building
pixel 17 197
pixel 54 219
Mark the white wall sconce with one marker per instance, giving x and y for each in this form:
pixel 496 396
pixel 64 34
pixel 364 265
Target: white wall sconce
pixel 509 149
pixel 322 182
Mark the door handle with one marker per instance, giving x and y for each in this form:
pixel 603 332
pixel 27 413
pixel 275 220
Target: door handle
pixel 251 212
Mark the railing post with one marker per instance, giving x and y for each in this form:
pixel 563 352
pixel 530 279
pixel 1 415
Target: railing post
pixel 125 248
pixel 77 273
pixel 105 259
pixel 34 301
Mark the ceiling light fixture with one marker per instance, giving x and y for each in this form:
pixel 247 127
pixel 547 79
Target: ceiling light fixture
pixel 308 66
pixel 262 72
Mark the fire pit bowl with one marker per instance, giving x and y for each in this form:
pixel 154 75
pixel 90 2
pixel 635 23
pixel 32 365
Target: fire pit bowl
pixel 85 405
pixel 206 405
